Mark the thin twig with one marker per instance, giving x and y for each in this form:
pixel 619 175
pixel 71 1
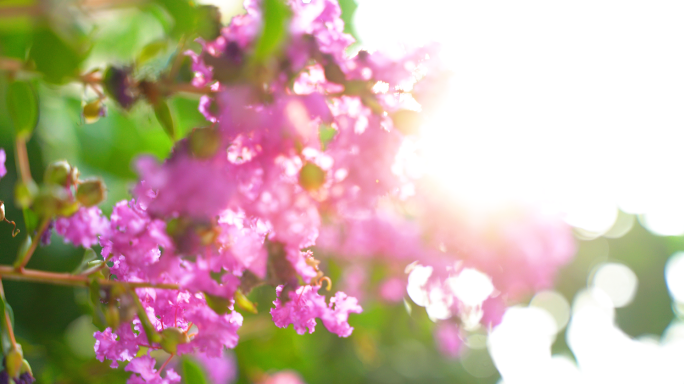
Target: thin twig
pixel 8 322
pixel 22 160
pixel 33 275
pixel 21 263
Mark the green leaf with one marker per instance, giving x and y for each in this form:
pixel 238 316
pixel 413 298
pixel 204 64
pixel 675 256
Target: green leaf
pixel 152 50
pixel 326 133
pixel 217 303
pixel 22 104
pixel 5 340
pixel 276 16
pixel 183 14
pixel 88 256
pixel 192 373
pixel 243 302
pixel 208 22
pixel 163 113
pixel 30 219
pixel 54 57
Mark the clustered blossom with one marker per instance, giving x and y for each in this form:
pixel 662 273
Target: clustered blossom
pixel 83 227
pixel 305 305
pixel 240 203
pixel 3 158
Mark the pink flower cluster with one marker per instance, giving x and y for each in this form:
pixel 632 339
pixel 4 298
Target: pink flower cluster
pixel 303 135
pixel 238 203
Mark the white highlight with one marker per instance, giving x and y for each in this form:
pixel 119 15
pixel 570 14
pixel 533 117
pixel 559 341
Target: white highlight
pixel 576 104
pixel 674 276
pixel 617 281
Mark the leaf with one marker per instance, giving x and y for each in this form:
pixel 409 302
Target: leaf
pixel 22 104
pixel 276 15
pixel 243 302
pixel 88 256
pixel 30 220
pixel 151 51
pixel 192 373
pixel 5 308
pixel 208 22
pixel 326 133
pixel 57 59
pixel 183 14
pixel 163 113
pixel 217 303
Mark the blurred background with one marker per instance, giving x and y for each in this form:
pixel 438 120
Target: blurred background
pixel 576 107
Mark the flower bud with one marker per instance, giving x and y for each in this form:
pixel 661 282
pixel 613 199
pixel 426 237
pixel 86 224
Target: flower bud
pixel 24 193
pixel 25 368
pixel 407 121
pixel 2 211
pixel 113 317
pixel 54 200
pixel 171 337
pixel 311 177
pixel 91 192
pixel 204 142
pixel 13 361
pixel 58 173
pixel 119 84
pixel 93 110
pixel 333 73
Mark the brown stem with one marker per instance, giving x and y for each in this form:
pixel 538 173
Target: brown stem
pixel 9 63
pixel 177 61
pixel 188 88
pixel 20 10
pixel 22 160
pixel 21 263
pixel 71 280
pixel 8 322
pixel 165 363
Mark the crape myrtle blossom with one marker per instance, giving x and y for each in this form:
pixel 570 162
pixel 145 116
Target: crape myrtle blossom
pixel 3 158
pixel 83 227
pixel 463 268
pixel 300 148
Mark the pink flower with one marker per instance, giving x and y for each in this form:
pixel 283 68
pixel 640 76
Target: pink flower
pixel 220 370
pixel 305 304
pixel 143 366
pixel 283 377
pixel 83 227
pixel 448 338
pixel 3 158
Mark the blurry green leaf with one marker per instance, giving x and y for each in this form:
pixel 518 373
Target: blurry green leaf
pixel 183 14
pixel 163 113
pixel 151 50
pixel 276 16
pixel 22 104
pixel 326 133
pixel 88 256
pixel 56 58
pixel 31 220
pixel 243 302
pixel 217 303
pixel 348 8
pixel 192 373
pixel 5 308
pixel 208 22
pixel 311 177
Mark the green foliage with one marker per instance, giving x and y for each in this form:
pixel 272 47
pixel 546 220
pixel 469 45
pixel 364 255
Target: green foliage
pixel 192 373
pixel 22 104
pixel 5 309
pixel 55 57
pixel 274 32
pixel 163 113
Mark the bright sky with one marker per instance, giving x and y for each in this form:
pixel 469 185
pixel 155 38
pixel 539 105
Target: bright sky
pixel 579 104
